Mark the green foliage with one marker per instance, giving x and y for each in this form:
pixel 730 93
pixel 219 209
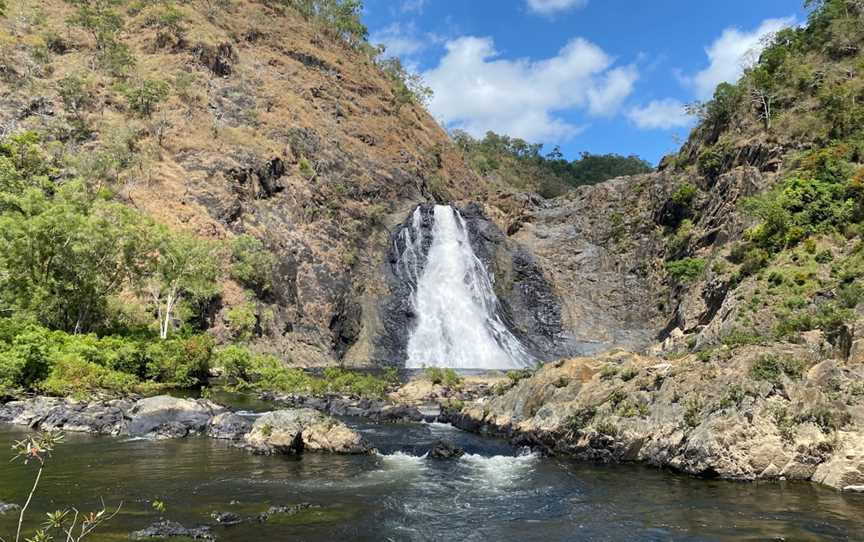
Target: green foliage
pixel 576 422
pixel 732 396
pixel 516 159
pixel 34 358
pixel 684 195
pixel 265 372
pixel 77 377
pixel 736 338
pixel 770 368
pixel 242 321
pixel 252 264
pixel 339 18
pixel 408 87
pixel 145 95
pixel 444 376
pixel 686 270
pixel 168 22
pixel 693 406
pixel 62 256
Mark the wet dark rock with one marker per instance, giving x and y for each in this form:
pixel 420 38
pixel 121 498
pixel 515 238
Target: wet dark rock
pixel 289 510
pixel 172 529
pixel 443 449
pixel 6 507
pixel 226 518
pixel 228 426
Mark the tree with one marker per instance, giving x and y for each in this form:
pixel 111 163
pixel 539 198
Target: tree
pixel 761 84
pixel 63 255
pixel 181 268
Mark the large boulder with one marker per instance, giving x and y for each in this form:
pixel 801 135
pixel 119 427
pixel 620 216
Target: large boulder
pixel 102 417
pixel 305 429
pixel 228 426
pixel 172 529
pixel 169 417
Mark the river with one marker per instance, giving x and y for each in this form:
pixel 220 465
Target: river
pixel 493 493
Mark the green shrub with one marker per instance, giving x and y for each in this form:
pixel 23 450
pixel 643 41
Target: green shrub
pixel 252 264
pixel 444 376
pixel 75 376
pixel 684 195
pixel 235 361
pixel 145 95
pixel 770 368
pixel 242 321
pixel 693 406
pixel 686 269
pixel 579 420
pixel 180 361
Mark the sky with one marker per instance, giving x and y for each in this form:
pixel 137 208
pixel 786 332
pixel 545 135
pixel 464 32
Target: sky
pixel 593 76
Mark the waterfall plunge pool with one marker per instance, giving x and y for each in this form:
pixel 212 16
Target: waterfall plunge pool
pixel 493 493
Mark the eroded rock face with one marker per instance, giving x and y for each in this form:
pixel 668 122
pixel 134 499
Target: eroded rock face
pixel 713 418
pixel 295 431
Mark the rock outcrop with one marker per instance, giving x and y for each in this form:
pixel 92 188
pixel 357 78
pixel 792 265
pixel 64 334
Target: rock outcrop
pixel 283 431
pixel 295 431
pixel 748 413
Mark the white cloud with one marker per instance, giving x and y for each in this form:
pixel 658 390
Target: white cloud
pixel 548 7
pixel 731 53
pixel 398 40
pixel 476 91
pixel 415 6
pixel 660 114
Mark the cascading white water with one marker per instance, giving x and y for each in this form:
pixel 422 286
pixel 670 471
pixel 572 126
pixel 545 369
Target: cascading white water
pixel 457 322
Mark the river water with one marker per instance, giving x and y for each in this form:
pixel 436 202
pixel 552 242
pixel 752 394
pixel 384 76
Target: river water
pixel 494 493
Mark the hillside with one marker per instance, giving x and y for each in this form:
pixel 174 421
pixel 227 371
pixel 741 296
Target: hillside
pixel 227 119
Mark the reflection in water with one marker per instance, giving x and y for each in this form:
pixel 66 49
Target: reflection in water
pixel 491 493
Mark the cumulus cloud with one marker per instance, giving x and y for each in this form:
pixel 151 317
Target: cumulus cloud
pixel 548 7
pixel 660 115
pixel 731 53
pixel 476 91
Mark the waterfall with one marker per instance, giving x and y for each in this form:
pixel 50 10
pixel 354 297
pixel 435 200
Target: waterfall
pixel 457 322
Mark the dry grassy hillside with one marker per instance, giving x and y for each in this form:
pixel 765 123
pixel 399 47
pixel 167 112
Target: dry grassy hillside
pixel 235 117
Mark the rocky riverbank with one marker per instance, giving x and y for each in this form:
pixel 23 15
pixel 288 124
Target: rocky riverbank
pixel 746 413
pixel 284 431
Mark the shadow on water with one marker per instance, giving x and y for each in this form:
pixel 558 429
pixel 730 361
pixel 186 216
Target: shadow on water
pixel 494 492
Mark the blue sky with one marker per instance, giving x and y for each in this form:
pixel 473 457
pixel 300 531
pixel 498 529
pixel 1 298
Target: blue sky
pixel 590 75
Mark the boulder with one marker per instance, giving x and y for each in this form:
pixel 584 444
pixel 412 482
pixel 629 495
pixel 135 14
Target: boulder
pixel 6 507
pixel 228 426
pixel 289 510
pixel 226 518
pixel 305 429
pixel 445 450
pixel 172 529
pixel 170 417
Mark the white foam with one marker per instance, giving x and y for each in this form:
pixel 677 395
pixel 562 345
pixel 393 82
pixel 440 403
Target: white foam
pixel 499 471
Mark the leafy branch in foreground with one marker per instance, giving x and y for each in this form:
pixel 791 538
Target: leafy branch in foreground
pixel 70 523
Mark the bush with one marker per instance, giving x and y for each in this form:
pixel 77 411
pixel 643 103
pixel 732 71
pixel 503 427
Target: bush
pixel 686 270
pixel 771 368
pixel 235 361
pixel 444 376
pixel 146 95
pixel 75 376
pixel 180 361
pixel 252 264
